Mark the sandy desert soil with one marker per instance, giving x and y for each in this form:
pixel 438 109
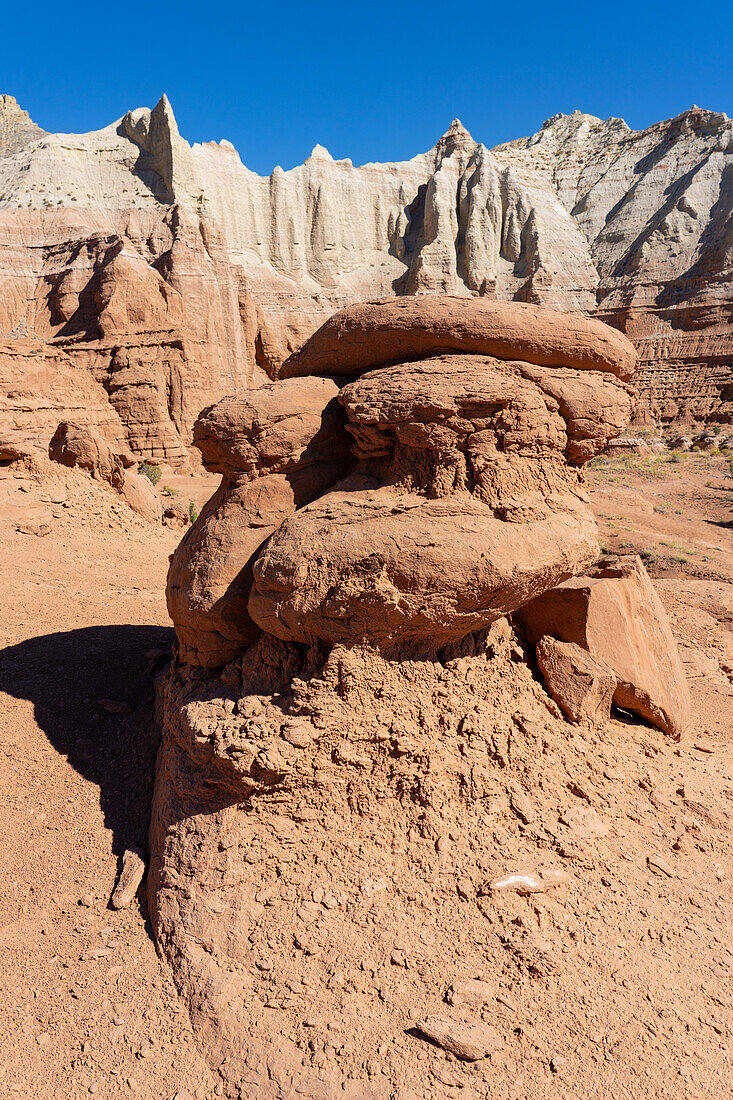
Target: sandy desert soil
pixel 85 1005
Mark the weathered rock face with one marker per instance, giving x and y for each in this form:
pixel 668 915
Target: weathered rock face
pixel 463 501
pixel 170 275
pixel 277 449
pixel 580 685
pixel 40 386
pixel 379 333
pixel 388 567
pixel 656 208
pixel 77 445
pixel 297 822
pixel 17 129
pixel 463 505
pixel 137 309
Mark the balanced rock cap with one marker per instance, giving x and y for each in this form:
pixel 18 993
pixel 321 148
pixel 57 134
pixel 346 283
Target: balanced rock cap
pixel 374 334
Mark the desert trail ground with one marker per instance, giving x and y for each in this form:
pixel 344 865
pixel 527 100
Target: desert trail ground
pixel 85 1005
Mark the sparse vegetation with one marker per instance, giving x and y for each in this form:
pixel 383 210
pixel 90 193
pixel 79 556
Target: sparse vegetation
pixel 151 472
pixel 678 547
pixel 168 492
pixel 192 513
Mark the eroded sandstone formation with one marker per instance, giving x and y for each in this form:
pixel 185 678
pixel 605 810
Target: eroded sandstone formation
pixel 331 877
pixel 78 445
pixel 277 449
pixel 463 501
pixel 168 275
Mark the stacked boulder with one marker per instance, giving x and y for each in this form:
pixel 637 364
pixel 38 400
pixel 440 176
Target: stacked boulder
pixel 413 477
pixel 277 449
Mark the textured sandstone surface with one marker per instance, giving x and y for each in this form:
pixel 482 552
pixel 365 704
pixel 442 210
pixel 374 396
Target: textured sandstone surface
pixel 615 614
pixel 464 499
pixel 78 445
pixel 373 334
pixel 464 503
pixel 391 567
pixel 277 449
pixel 41 386
pixel 581 686
pixel 170 275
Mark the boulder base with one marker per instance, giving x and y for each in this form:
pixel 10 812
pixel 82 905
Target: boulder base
pixel 614 613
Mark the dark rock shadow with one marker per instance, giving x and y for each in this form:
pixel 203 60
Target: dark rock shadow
pixel 64 675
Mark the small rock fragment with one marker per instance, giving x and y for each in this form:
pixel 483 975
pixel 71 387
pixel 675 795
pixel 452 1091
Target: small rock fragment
pixel 522 807
pixel 466 1039
pixel 133 869
pixel 584 821
pixel 660 865
pixel 465 889
pixel 582 686
pixel 554 876
pixel 474 991
pixel 299 736
pixel 114 706
pixel 39 529
pixel 526 882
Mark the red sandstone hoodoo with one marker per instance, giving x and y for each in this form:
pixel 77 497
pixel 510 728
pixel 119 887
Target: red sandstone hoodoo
pixel 351 694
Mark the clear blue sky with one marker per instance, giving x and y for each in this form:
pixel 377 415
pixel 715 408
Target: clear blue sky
pixel 370 81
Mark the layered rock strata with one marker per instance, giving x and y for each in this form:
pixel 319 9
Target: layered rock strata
pixel 170 274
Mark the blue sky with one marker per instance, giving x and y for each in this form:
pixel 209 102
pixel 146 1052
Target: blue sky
pixel 370 81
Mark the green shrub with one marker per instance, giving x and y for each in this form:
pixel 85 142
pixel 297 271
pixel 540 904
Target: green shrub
pixel 152 473
pixel 192 513
pixel 168 492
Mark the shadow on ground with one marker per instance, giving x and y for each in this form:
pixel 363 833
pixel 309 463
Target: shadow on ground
pixel 64 676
